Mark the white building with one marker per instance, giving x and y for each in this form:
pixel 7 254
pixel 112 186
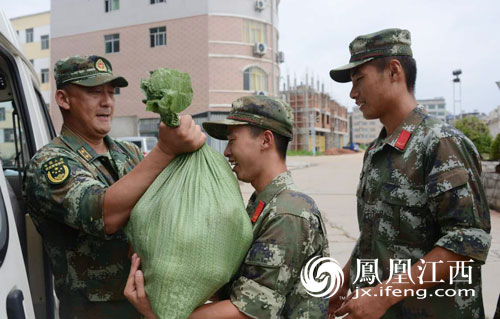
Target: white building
pixel 435 107
pixel 364 131
pixel 493 121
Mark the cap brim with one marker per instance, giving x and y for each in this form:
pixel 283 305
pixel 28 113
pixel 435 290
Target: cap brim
pixel 343 74
pixel 218 129
pixel 103 78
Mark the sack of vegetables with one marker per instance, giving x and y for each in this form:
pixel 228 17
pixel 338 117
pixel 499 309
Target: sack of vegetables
pixel 190 227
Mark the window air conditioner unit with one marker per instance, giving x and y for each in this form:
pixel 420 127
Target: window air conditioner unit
pixel 259 49
pixel 281 57
pixel 264 93
pixel 260 5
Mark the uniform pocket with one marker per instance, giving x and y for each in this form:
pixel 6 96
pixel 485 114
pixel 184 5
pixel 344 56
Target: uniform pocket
pixel 411 219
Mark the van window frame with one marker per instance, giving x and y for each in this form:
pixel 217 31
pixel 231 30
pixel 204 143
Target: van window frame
pixel 4 230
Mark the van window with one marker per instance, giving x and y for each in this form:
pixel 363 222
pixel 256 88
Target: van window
pixel 13 147
pixel 138 143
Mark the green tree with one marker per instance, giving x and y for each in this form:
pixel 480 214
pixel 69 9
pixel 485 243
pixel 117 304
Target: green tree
pixel 495 149
pixel 476 131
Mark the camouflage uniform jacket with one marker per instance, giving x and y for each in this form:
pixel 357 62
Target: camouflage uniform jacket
pixel 419 188
pixel 288 230
pixel 65 186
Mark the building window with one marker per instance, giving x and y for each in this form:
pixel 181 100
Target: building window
pixel 2 113
pixel 32 62
pixel 111 5
pixel 45 42
pixel 8 135
pixel 44 75
pixel 112 43
pixel 117 91
pixel 254 79
pixel 254 31
pixel 158 36
pixel 158 1
pixel 29 35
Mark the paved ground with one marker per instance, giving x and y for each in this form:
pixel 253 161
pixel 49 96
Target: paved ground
pixel 332 181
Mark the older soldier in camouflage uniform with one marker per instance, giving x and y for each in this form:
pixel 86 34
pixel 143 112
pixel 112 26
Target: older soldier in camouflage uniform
pixel 287 225
pixel 421 205
pixel 81 187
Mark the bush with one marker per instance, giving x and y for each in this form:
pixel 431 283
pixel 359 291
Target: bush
pixel 476 131
pixel 495 149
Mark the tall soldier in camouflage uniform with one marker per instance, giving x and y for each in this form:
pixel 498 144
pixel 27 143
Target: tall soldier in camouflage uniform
pixel 81 187
pixel 420 198
pixel 287 225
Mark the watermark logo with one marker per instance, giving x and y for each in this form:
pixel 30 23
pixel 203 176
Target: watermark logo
pixel 322 277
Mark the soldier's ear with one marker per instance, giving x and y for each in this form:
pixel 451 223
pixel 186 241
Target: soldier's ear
pixel 267 139
pixel 62 99
pixel 396 72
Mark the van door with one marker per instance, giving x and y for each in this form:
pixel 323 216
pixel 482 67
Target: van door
pixel 25 126
pixel 14 290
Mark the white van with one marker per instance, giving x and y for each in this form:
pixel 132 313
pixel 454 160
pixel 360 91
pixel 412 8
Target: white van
pixel 25 126
pixel 145 143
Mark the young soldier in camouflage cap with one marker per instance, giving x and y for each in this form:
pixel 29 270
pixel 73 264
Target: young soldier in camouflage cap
pixel 421 205
pixel 81 187
pixel 287 225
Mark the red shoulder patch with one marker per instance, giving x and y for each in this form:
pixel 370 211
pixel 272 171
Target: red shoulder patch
pixel 258 210
pixel 403 139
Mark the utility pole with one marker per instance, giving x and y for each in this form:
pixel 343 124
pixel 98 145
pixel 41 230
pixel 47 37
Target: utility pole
pixel 456 82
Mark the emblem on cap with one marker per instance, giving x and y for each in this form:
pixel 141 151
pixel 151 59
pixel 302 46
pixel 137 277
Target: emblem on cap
pixel 56 171
pixel 100 66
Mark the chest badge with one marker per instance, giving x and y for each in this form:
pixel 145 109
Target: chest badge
pixel 403 139
pixel 56 170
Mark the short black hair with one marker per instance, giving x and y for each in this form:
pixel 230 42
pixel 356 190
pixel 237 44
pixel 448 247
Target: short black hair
pixel 409 67
pixel 280 140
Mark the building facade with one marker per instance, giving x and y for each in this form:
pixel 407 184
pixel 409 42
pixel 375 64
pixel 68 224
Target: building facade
pixel 229 48
pixel 34 35
pixel 493 122
pixel 364 131
pixel 435 107
pixel 319 121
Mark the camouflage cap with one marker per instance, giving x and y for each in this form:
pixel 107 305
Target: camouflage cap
pixel 364 48
pixel 261 111
pixel 86 71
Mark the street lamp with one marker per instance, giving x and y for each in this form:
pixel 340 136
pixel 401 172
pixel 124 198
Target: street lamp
pixel 456 81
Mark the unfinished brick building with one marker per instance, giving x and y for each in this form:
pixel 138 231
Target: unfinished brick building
pixel 320 121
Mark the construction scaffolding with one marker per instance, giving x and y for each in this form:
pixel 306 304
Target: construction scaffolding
pixel 320 123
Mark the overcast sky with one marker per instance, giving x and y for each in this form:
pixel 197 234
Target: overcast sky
pixel 446 35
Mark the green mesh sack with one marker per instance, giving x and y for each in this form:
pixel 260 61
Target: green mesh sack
pixel 190 227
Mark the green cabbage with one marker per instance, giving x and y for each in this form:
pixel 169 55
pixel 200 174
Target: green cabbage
pixel 167 92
